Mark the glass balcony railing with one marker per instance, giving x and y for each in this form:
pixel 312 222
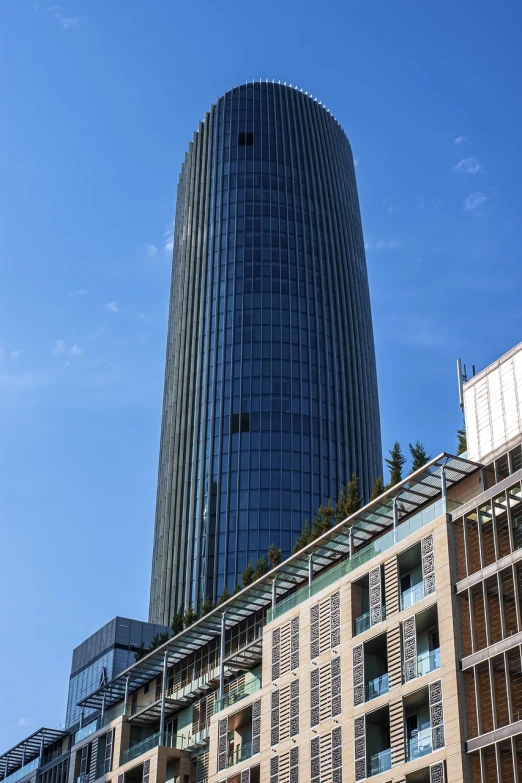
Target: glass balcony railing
pixel 412 596
pixel 379 762
pixel 362 623
pixel 427 662
pixel 241 753
pixel 376 687
pixel 165 740
pixel 236 695
pixel 22 772
pixel 364 555
pixel 87 730
pixel 419 745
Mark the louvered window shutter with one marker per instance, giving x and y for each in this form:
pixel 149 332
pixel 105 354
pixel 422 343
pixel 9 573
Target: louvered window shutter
pixel 436 715
pixel 256 726
pixel 93 772
pixel 391 586
pixel 428 564
pixel 409 637
pixel 202 763
pixel 358 675
pixel 222 744
pixel 359 730
pixel 84 763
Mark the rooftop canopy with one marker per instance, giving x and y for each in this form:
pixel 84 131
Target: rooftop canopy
pixel 28 749
pixel 418 490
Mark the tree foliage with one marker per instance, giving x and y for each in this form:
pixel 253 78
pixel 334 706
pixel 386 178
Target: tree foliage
pixel 189 617
pixel 247 577
pixel 157 641
pixel 395 463
pixel 261 568
pixel 303 539
pixel 177 622
pixel 274 555
pixel 378 488
pixel 207 606
pixel 462 442
pixel 418 456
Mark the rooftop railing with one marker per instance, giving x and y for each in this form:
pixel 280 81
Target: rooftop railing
pixel 98 723
pixel 163 739
pixel 362 556
pixel 22 772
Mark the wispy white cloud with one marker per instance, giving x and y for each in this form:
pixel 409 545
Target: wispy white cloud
pixel 474 202
pixel 151 250
pixel 82 292
pixel 468 166
pixel 23 721
pixel 112 307
pixel 389 204
pixel 355 162
pixel 69 352
pixel 14 354
pixel 460 140
pixel 385 243
pixel 168 236
pixel 65 22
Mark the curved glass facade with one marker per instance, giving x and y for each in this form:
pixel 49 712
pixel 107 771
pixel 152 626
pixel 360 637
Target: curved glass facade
pixel 270 396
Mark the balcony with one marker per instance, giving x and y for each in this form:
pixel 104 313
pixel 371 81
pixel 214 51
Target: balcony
pixel 165 740
pixel 376 687
pixel 379 762
pixel 236 695
pixel 241 753
pixel 419 745
pixel 362 623
pixel 427 662
pixel 98 723
pixel 412 596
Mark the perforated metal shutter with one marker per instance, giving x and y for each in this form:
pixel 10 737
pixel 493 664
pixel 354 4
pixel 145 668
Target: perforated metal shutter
pixel 256 726
pixel 146 771
pixel 274 717
pixel 276 653
pixel 337 755
pixel 359 734
pixel 222 744
pixel 409 638
pixel 437 773
pixel 358 675
pixel 436 715
pixel 428 564
pixel 325 625
pixel 376 613
pixel 285 768
pixel 335 686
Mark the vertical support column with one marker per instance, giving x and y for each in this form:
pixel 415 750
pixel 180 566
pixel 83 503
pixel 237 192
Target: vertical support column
pixel 274 593
pixel 126 695
pixel 395 518
pixel 163 694
pixel 350 542
pixel 82 714
pixel 310 568
pixel 103 709
pixel 41 748
pixel 222 656
pixel 23 755
pixel 443 487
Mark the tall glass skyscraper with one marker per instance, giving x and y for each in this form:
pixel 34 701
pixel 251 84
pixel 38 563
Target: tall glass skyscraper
pixel 270 398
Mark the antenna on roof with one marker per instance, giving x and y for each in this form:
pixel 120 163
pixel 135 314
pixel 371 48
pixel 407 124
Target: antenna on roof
pixel 461 380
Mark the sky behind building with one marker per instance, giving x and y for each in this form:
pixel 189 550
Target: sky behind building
pixel 99 100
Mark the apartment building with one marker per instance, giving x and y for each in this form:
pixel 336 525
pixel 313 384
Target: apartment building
pixel 389 648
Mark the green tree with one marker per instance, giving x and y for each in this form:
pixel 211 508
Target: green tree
pixel 274 555
pixel 177 622
pixel 157 641
pixel 462 442
pixel 378 488
pixel 261 568
pixel 323 521
pixel 348 499
pixel 189 617
pixel 207 606
pixel 224 596
pixel 418 456
pixel 303 539
pixel 237 589
pixel 247 577
pixel 395 464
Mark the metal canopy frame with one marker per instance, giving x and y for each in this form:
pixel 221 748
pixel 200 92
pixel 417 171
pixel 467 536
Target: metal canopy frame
pixel 28 749
pixel 409 495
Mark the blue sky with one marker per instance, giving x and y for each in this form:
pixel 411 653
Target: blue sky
pixel 100 100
